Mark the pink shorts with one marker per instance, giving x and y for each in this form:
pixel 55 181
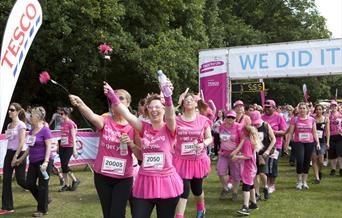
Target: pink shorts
pixel 225 165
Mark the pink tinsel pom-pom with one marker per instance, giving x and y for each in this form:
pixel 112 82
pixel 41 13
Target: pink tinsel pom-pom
pixel 105 49
pixel 44 77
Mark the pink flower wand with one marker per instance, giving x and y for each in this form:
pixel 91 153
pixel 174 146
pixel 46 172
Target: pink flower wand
pixel 105 51
pixel 44 78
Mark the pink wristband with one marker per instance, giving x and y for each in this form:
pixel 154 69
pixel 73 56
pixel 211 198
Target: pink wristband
pixel 113 98
pixel 168 101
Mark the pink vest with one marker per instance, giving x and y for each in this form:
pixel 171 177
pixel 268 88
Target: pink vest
pixel 335 123
pixel 303 129
pixel 189 133
pixel 230 138
pixel 66 136
pixel 108 161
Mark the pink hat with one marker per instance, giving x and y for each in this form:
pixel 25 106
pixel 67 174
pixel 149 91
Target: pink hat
pixel 270 103
pixel 333 102
pixel 238 102
pixel 255 117
pixel 231 113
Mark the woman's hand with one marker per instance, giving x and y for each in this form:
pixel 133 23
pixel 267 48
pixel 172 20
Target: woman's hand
pixel 75 100
pixel 43 167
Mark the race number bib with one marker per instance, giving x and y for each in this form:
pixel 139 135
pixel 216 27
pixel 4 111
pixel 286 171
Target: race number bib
pixel 304 136
pixel 64 140
pixel 30 140
pixel 113 165
pixel 188 148
pixel 153 161
pixel 261 136
pixel 224 137
pixel 320 134
pixel 9 134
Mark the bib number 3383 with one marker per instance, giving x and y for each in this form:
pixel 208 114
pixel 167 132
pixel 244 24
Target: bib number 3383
pixel 153 161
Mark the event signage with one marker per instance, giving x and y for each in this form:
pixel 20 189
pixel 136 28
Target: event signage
pixel 22 26
pixel 292 59
pixel 248 87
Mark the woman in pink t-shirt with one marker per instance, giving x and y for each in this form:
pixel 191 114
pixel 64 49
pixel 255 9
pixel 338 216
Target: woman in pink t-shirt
pixel 113 168
pixel 157 183
pixel 15 134
pixel 67 147
pixel 303 128
pixel 190 159
pixel 251 145
pixel 231 142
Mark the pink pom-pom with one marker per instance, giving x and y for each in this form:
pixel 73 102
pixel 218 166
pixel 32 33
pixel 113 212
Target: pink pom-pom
pixel 105 49
pixel 44 77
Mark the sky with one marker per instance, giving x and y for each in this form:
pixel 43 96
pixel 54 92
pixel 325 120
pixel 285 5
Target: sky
pixel 332 11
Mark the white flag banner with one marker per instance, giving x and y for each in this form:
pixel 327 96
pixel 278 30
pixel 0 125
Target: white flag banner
pixel 22 26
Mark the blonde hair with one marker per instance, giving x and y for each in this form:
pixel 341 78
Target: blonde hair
pixel 40 111
pixel 126 94
pixel 254 137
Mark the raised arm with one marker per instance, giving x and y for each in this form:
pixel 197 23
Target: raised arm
pixel 93 118
pixel 121 108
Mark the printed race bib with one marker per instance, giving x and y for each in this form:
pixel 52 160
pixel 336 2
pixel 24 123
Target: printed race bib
pixel 9 134
pixel 188 148
pixel 30 140
pixel 113 165
pixel 153 161
pixel 261 136
pixel 320 134
pixel 304 136
pixel 224 137
pixel 64 140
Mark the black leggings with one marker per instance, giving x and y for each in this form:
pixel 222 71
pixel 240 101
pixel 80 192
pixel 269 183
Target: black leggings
pixel 7 195
pixel 166 208
pixel 113 194
pixel 65 155
pixel 303 153
pixel 247 188
pixel 41 191
pixel 216 137
pixel 196 187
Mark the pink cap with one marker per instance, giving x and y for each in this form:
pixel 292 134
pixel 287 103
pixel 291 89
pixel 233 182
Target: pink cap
pixel 333 102
pixel 231 113
pixel 270 103
pixel 238 102
pixel 255 117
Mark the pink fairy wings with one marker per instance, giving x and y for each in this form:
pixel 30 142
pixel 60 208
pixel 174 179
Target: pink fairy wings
pixel 44 77
pixel 105 49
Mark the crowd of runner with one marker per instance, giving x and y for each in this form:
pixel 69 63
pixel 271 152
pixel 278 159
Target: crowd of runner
pixel 157 157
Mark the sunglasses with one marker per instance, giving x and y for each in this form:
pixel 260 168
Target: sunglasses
pixel 61 114
pixel 121 98
pixel 157 107
pixel 230 117
pixel 11 110
pixel 267 106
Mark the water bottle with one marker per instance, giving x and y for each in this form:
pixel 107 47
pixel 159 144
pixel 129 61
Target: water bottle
pixel 123 149
pixel 164 84
pixel 44 173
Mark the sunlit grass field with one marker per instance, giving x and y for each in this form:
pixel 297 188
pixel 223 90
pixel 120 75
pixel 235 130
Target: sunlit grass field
pixel 323 200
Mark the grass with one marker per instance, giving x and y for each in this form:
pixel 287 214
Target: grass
pixel 323 200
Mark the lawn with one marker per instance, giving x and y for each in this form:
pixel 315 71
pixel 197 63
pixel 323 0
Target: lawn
pixel 323 200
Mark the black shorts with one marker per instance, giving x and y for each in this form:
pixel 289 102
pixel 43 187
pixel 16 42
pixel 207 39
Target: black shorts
pixel 335 149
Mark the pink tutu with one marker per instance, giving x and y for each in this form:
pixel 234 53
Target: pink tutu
pixel 150 187
pixel 189 169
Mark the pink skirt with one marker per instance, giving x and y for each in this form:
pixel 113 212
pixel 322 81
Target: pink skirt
pixel 189 169
pixel 150 187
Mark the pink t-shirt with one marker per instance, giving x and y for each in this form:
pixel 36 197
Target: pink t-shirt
pixel 66 136
pixel 12 135
pixel 249 166
pixel 109 162
pixel 335 123
pixel 187 134
pixel 230 138
pixel 243 120
pixel 156 148
pixel 277 123
pixel 303 129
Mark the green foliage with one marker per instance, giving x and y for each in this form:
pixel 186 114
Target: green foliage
pixel 149 35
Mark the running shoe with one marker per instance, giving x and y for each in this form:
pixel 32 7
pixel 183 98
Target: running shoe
pixel 224 194
pixel 299 185
pixel 229 186
pixel 39 214
pixel 266 193
pixel 5 211
pixel 332 172
pixel 74 185
pixel 200 213
pixel 271 189
pixel 257 197
pixel 252 206
pixel 305 186
pixel 244 211
pixel 64 189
